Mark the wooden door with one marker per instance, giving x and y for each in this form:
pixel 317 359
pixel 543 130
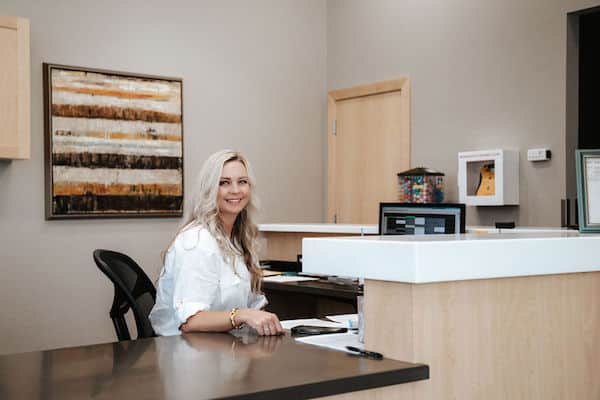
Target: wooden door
pixel 368 144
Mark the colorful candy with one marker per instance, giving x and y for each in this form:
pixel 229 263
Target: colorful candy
pixel 421 185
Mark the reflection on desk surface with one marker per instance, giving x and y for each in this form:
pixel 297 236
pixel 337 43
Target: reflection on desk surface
pixel 198 366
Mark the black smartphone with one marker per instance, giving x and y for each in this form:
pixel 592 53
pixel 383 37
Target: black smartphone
pixel 316 330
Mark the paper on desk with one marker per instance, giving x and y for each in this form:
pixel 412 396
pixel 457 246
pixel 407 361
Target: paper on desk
pixel 335 341
pixel 285 278
pixel 348 320
pixel 290 323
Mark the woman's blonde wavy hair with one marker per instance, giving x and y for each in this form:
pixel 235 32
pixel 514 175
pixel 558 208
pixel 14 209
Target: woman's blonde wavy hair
pixel 205 212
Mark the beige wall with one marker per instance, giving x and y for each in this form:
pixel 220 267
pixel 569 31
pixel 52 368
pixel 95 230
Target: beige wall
pixel 254 79
pixel 484 75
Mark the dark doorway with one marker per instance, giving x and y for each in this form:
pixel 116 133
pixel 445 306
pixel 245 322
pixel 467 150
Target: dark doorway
pixel 589 81
pixel 583 99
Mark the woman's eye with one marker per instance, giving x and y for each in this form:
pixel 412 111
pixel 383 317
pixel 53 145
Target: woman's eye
pixel 243 182
pixel 223 183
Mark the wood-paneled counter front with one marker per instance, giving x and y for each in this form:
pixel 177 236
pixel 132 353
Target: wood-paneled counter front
pixel 283 242
pixel 502 316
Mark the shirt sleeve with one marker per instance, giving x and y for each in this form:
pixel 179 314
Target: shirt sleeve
pixel 257 301
pixel 196 281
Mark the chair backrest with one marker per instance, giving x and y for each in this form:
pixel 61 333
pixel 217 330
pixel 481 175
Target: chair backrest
pixel 133 290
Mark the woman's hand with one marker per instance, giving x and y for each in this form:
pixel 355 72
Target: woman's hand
pixel 263 322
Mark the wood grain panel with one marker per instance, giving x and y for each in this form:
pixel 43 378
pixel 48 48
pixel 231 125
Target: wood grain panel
pixel 517 338
pixel 8 86
pixel 389 319
pixel 285 246
pixel 371 145
pixel 331 159
pixel 352 124
pixel 14 88
pixel 370 89
pixel 396 392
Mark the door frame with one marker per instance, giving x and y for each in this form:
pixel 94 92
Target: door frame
pixel 401 84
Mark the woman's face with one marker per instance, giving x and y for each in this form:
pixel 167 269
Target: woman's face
pixel 234 189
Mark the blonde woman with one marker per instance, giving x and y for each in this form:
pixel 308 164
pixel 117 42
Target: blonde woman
pixel 210 281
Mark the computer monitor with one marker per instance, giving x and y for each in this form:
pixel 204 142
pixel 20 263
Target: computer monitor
pixel 421 219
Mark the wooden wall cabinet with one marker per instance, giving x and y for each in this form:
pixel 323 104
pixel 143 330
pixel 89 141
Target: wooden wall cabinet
pixel 15 121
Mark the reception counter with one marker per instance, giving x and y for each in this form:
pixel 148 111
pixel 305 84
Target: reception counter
pixel 495 316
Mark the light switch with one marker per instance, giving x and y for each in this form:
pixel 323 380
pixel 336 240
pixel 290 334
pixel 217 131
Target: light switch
pixel 539 154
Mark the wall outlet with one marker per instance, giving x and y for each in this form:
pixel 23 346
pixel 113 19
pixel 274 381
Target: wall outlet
pixel 538 154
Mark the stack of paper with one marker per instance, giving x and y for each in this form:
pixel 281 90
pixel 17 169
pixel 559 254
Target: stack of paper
pixel 290 323
pixel 286 278
pixel 335 341
pixel 349 321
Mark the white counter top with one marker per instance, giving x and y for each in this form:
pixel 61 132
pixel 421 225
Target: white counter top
pixel 439 258
pixel 374 229
pixel 520 229
pixel 320 228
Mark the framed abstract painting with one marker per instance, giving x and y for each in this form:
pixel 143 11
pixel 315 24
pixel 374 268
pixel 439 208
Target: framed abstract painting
pixel 113 144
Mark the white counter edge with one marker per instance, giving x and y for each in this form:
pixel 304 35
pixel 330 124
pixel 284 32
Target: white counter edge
pixel 366 229
pixel 320 228
pixel 442 261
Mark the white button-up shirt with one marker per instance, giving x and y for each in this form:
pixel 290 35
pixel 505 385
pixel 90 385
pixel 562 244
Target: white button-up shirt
pixel 196 278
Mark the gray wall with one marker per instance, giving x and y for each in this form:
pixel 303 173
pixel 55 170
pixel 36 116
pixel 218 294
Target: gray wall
pixel 484 75
pixel 254 80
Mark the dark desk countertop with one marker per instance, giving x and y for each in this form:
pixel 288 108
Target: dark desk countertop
pixel 197 366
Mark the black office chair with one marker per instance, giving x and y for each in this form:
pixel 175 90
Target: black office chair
pixel 133 289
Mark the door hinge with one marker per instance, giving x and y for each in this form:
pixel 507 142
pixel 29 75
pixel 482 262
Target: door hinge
pixel 334 127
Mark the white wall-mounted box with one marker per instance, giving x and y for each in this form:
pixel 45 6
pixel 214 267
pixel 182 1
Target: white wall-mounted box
pixel 488 177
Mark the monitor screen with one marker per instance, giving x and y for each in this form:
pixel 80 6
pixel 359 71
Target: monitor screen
pixel 421 219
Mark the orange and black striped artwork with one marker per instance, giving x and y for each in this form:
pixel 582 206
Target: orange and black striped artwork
pixel 114 144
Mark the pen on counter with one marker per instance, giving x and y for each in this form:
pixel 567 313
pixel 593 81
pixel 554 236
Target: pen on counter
pixel 364 353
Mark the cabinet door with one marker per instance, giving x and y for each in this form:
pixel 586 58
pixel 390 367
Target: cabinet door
pixel 369 143
pixel 14 88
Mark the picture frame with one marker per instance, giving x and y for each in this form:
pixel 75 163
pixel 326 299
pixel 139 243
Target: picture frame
pixel 113 144
pixel 588 189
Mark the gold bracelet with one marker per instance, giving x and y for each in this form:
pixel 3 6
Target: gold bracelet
pixel 232 315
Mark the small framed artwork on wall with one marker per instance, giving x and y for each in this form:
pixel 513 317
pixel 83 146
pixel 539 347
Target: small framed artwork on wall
pixel 113 144
pixel 588 189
